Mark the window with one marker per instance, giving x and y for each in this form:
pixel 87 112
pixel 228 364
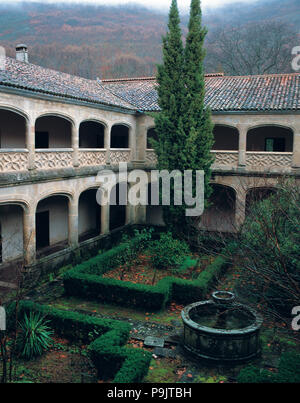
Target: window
pixel 275 144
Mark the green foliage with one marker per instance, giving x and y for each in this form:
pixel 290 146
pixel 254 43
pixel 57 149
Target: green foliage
pixel 183 125
pixel 34 337
pixel 269 247
pixel 288 371
pixel 85 280
pixel 168 252
pixel 107 351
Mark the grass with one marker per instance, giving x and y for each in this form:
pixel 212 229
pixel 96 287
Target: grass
pixel 173 312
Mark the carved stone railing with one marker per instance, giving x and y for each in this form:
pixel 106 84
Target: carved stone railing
pixel 120 155
pixel 151 158
pixel 89 157
pixel 53 159
pixel 13 160
pixel 225 158
pixel 260 160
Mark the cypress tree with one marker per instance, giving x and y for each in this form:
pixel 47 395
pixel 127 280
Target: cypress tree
pixel 183 124
pixel 197 117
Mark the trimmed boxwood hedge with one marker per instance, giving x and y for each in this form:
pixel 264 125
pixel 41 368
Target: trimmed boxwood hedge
pixel 288 371
pixel 106 337
pixel 85 280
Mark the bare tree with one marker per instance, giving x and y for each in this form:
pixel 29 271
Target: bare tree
pixel 256 48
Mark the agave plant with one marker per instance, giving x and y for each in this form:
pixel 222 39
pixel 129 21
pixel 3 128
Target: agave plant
pixel 35 336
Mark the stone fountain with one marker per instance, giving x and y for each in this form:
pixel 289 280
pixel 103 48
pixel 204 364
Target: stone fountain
pixel 220 329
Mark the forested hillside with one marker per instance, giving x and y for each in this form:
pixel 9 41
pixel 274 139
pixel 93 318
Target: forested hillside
pixel 126 41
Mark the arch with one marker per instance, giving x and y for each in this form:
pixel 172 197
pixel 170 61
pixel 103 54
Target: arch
pixel 226 137
pixel 56 114
pixel 11 232
pixel 154 213
pixel 270 138
pixel 120 136
pixel 89 215
pixel 91 134
pixel 62 193
pixel 52 223
pixel 53 130
pixel 16 110
pixel 220 216
pixel 12 129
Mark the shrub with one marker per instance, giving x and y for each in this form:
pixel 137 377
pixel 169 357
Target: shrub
pixel 107 338
pixel 168 252
pixel 288 371
pixel 34 337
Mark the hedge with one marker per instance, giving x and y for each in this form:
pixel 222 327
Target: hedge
pixel 85 280
pixel 288 371
pixel 106 337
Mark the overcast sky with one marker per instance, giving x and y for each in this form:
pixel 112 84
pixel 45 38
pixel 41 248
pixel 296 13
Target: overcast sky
pixel 158 4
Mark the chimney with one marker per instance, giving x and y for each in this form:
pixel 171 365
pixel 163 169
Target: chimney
pixel 22 53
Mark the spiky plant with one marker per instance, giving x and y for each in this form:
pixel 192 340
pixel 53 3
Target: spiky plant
pixel 35 336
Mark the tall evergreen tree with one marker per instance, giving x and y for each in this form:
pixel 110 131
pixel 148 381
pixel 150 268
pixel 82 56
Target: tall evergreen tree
pixel 183 124
pixel 197 117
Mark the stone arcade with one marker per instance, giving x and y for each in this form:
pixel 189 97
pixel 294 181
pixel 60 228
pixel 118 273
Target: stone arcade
pixel 56 130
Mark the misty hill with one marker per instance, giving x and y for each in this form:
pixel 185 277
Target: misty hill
pixel 118 41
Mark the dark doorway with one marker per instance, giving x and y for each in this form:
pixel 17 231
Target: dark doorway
pixel 42 230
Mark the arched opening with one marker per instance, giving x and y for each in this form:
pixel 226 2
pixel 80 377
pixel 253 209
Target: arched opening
pixel 53 132
pixel 154 214
pixel 12 130
pixel 226 138
pixel 118 206
pixel 52 224
pixel 89 215
pixel 220 216
pixel 151 134
pixel 119 137
pixel 270 139
pixel 256 195
pixel 11 232
pixel 91 135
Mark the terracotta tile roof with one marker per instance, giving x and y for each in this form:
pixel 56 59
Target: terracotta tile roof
pixel 39 79
pixel 273 92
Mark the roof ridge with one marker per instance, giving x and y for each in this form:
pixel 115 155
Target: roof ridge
pixel 99 82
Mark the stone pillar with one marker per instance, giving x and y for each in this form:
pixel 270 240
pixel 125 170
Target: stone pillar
pixel 30 144
pixel 242 145
pixel 296 149
pixel 107 136
pixel 29 236
pixel 73 222
pixel 240 208
pixel 141 140
pixel 105 219
pixel 132 145
pixel 75 144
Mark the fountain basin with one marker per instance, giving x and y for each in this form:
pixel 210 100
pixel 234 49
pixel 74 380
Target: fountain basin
pixel 206 337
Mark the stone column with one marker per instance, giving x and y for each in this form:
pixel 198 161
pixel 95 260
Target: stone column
pixel 30 144
pixel 141 140
pixel 29 236
pixel 73 222
pixel 242 145
pixel 107 136
pixel 132 145
pixel 240 208
pixel 105 219
pixel 75 144
pixel 296 149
